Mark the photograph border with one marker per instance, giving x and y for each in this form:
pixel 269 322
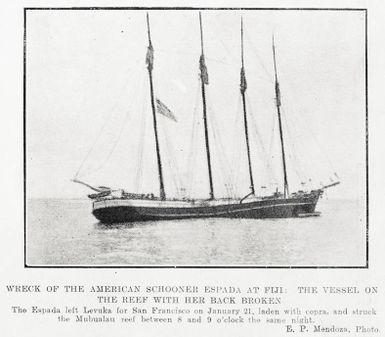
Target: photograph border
pixel 366 266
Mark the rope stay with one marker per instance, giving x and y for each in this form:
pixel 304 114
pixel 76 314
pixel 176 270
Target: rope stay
pixel 91 170
pixel 295 161
pixel 171 161
pixel 235 168
pixel 220 151
pixel 270 171
pixel 192 152
pixel 230 171
pixel 139 171
pixel 302 126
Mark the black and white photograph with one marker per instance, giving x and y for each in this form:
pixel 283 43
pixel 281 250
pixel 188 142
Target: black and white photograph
pixel 195 137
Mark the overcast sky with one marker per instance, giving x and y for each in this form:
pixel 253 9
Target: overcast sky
pixel 87 88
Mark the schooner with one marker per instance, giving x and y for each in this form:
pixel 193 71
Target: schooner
pixel 127 207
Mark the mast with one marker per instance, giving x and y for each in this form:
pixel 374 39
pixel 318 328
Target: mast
pixel 243 87
pixel 150 62
pixel 278 104
pixel 204 81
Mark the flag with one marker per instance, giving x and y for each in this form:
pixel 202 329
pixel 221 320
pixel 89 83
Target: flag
pixel 243 80
pixel 277 94
pixel 163 110
pixel 203 69
pixel 150 57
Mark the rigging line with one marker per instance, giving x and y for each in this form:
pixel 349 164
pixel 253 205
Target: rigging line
pixel 116 140
pixel 114 144
pixel 272 174
pixel 237 165
pixel 212 127
pixel 192 148
pixel 174 177
pixel 171 52
pixel 224 162
pixel 236 150
pixel 272 138
pixel 302 151
pixel 216 133
pixel 236 131
pixel 248 158
pixel 292 123
pixel 93 170
pixel 91 150
pixel 305 121
pixel 104 124
pixel 139 175
pixel 256 54
pixel 218 38
pixel 178 52
pixel 170 166
pixel 320 146
pixel 171 159
pixel 190 173
pixel 218 150
pixel 292 151
pixel 228 55
pixel 258 138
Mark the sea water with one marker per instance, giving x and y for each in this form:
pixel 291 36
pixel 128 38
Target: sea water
pixel 64 232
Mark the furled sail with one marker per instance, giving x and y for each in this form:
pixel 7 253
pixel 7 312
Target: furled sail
pixel 203 69
pixel 243 84
pixel 150 57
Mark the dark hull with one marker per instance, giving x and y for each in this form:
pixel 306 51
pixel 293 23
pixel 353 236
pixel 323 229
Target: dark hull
pixel 259 209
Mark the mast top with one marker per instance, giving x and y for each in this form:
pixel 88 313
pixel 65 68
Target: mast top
pixel 275 62
pixel 201 29
pixel 148 29
pixel 242 42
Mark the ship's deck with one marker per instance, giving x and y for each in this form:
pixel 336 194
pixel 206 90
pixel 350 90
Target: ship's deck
pixel 197 203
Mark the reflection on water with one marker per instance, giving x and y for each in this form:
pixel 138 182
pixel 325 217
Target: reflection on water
pixel 63 232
